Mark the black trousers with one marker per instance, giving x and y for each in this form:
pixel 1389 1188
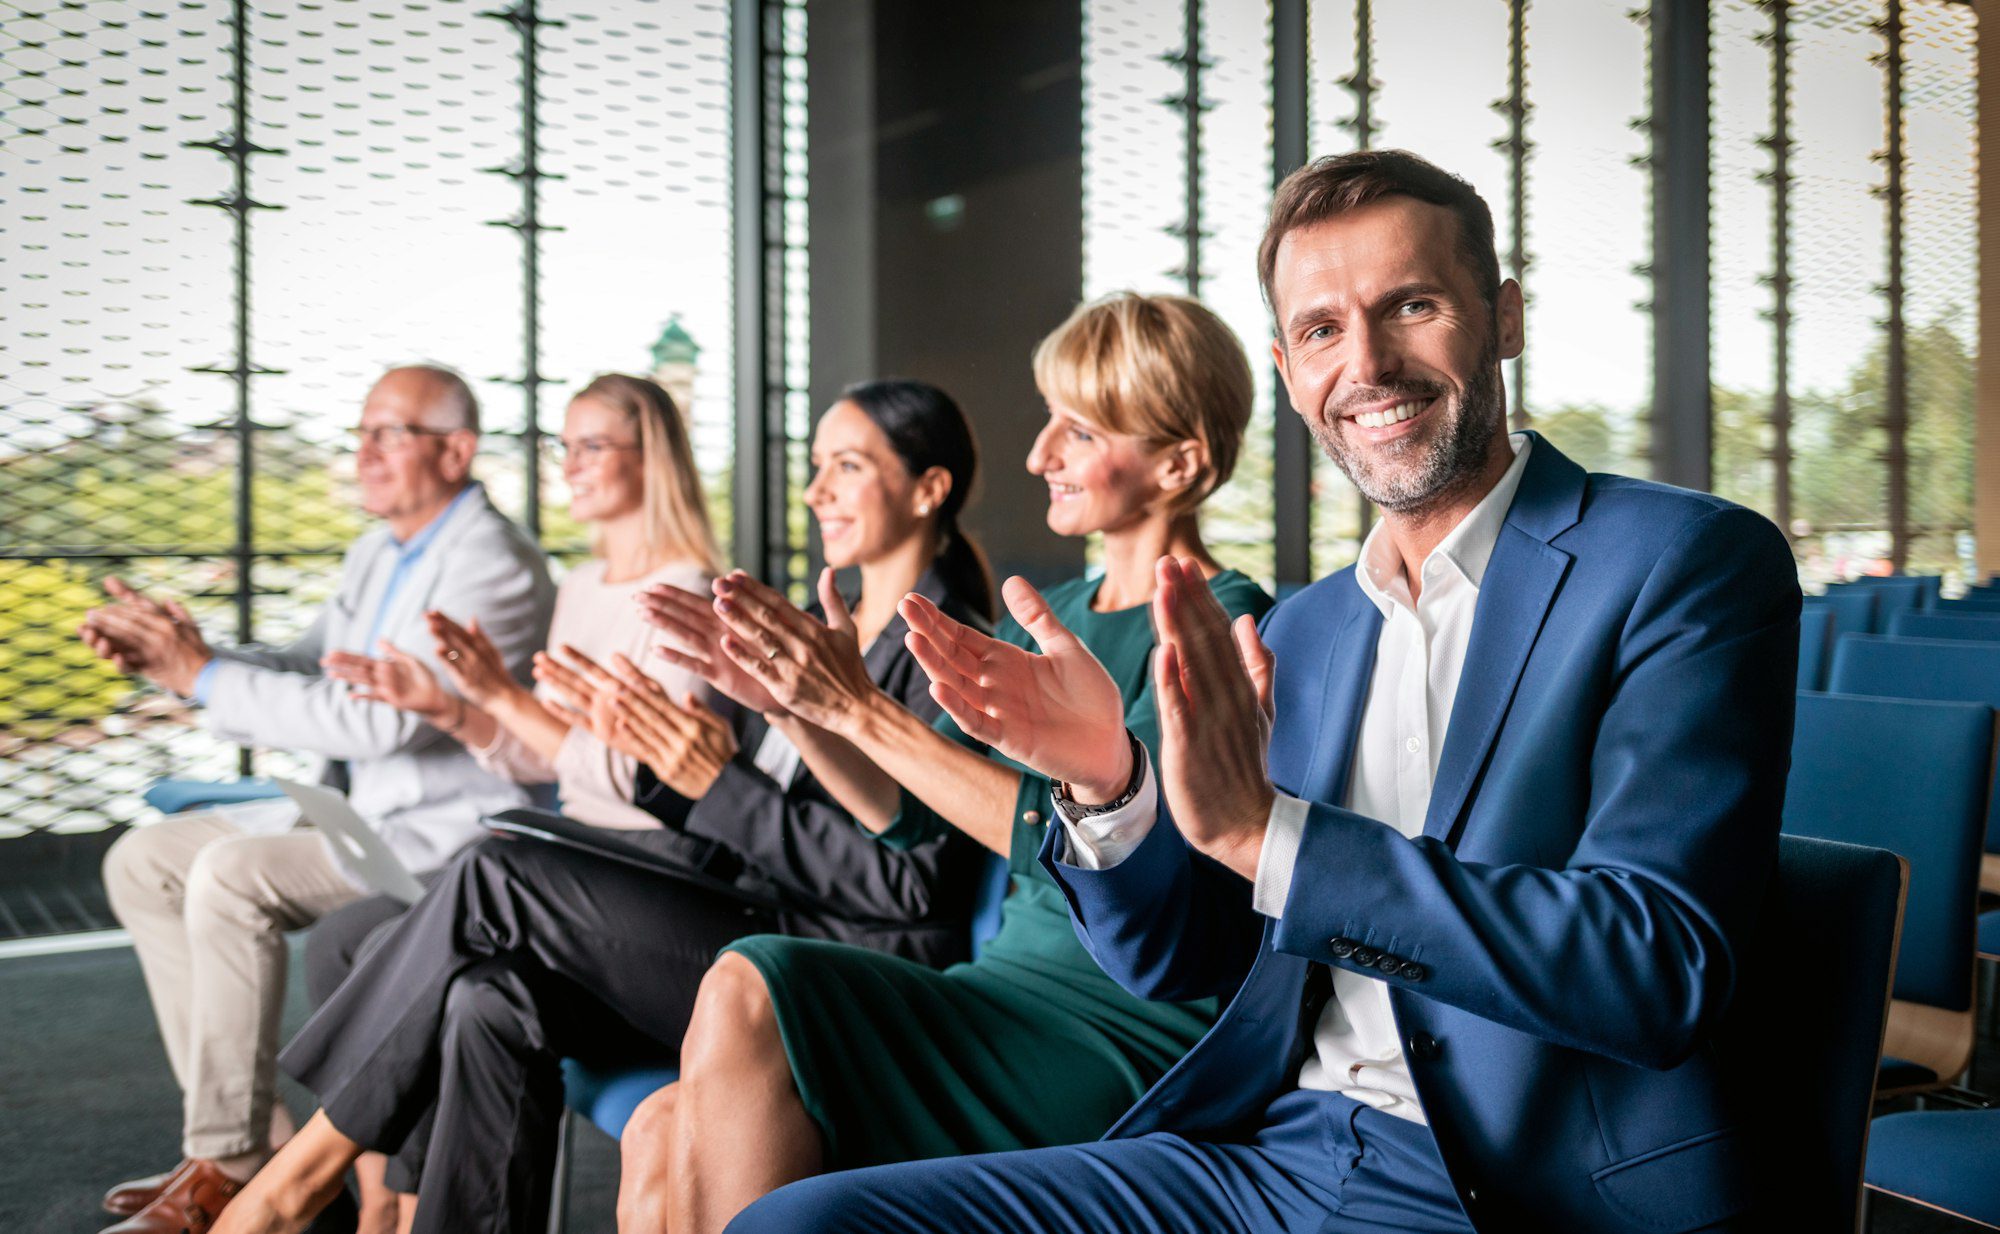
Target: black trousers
pixel 334 945
pixel 442 1045
pixel 336 941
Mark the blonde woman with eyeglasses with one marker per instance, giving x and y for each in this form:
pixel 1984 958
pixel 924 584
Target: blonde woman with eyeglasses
pixel 630 469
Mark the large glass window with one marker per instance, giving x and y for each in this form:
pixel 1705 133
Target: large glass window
pixel 386 211
pixel 1137 115
pixel 1875 392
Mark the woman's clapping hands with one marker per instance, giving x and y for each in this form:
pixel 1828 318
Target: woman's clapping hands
pixel 694 642
pixel 812 669
pixel 686 744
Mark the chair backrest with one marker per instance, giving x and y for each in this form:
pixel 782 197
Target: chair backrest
pixel 1856 610
pixel 1974 602
pixel 1815 646
pixel 992 889
pixel 1845 785
pixel 1978 627
pixel 1901 591
pixel 1942 670
pixel 1811 1003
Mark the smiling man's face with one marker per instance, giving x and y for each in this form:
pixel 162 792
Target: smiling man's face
pixel 1390 352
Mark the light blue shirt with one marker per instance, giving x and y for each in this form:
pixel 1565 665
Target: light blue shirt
pixel 408 553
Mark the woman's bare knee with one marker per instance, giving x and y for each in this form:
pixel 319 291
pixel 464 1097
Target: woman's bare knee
pixel 733 1016
pixel 651 1126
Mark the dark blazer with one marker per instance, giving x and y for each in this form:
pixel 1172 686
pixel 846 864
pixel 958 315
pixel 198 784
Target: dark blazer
pixel 1563 939
pixel 837 880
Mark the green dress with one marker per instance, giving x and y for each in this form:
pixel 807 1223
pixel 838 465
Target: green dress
pixel 1030 1044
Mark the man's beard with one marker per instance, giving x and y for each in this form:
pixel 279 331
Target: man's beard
pixel 1441 461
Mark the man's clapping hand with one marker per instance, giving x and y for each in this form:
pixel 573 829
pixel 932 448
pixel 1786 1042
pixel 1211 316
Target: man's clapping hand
pixel 154 639
pixel 1213 681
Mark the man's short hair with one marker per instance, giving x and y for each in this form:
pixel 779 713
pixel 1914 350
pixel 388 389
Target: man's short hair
pixel 1337 183
pixel 455 406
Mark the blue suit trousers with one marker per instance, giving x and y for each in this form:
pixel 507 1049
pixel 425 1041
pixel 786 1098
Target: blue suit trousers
pixel 1319 1162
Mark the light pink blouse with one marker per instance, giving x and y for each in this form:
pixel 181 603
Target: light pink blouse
pixel 599 618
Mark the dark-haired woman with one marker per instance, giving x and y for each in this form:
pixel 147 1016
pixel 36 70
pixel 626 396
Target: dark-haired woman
pixel 444 1042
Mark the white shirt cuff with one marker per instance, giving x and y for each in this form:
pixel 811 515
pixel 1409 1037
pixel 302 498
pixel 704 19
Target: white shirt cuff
pixel 1103 840
pixel 1282 837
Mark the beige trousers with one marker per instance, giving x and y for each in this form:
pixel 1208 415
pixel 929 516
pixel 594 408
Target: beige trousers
pixel 208 907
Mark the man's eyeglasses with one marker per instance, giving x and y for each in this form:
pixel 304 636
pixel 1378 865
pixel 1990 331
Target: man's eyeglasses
pixel 585 449
pixel 389 438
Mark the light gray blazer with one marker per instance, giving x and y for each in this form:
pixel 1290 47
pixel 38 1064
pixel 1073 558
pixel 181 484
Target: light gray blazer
pixel 420 788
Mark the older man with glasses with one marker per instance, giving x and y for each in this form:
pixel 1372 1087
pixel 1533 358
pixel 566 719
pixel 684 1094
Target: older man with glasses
pixel 208 894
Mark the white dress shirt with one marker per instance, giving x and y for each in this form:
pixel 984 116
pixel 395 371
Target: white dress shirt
pixel 1418 659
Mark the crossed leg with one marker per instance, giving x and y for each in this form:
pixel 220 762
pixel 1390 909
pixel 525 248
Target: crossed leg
pixel 733 1129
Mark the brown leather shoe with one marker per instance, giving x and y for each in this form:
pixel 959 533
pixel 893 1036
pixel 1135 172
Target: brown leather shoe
pixel 192 1200
pixel 129 1197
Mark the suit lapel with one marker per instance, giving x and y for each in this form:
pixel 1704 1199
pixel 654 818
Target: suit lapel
pixel 1350 664
pixel 1520 584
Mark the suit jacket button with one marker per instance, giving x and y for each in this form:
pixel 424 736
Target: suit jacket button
pixel 1390 964
pixel 1366 956
pixel 1413 970
pixel 1031 817
pixel 1424 1047
pixel 1342 947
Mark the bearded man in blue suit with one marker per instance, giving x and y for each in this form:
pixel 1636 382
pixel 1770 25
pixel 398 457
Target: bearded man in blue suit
pixel 1473 836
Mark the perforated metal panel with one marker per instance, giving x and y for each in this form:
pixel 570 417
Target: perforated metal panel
pixel 1137 112
pixel 1858 437
pixel 1940 274
pixel 1743 271
pixel 203 280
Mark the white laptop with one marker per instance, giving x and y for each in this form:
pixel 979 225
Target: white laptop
pixel 355 843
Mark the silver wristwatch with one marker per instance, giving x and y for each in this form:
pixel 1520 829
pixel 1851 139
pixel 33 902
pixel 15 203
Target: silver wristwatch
pixel 1076 811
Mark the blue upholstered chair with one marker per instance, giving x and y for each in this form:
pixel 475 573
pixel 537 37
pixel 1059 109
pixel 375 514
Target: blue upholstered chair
pixel 1899 592
pixel 1976 627
pixel 1988 949
pixel 1943 669
pixel 608 1096
pixel 1844 750
pixel 1815 646
pixel 1948 1160
pixel 1855 610
pixel 1816 977
pixel 173 795
pixel 1973 602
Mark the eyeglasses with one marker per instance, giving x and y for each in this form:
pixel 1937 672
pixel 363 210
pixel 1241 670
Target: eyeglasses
pixel 585 449
pixel 390 438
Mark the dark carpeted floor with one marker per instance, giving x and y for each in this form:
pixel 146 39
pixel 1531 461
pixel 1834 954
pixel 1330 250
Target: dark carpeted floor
pixel 86 1101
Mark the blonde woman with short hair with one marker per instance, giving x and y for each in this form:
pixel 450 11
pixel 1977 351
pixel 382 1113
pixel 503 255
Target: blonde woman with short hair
pixel 804 1056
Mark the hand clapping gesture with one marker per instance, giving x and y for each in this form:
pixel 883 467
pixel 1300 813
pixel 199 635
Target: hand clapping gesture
pixel 685 743
pixel 1058 712
pixel 396 678
pixel 811 669
pixel 695 635
pixel 1213 681
pixel 476 668
pixel 155 639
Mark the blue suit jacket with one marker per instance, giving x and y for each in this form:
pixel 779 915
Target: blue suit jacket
pixel 1563 939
